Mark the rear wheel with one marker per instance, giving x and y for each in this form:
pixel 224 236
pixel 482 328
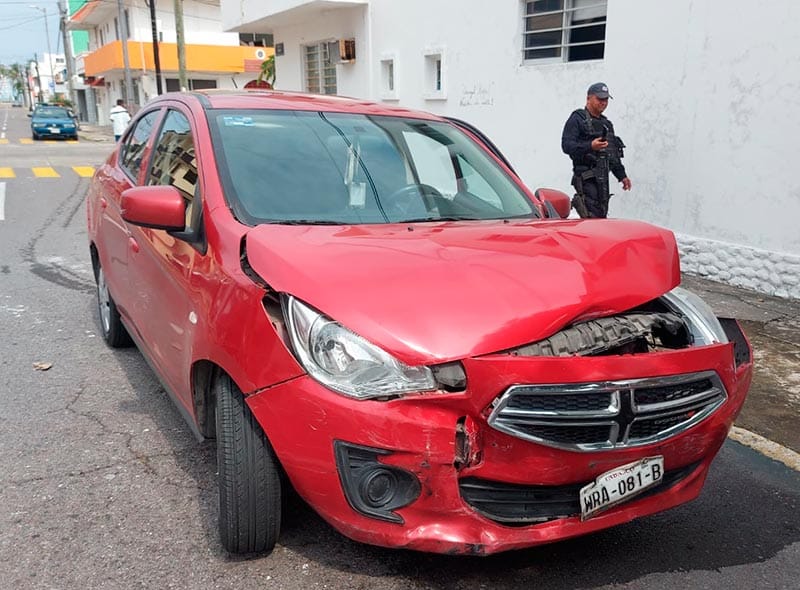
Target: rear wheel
pixel 114 333
pixel 249 478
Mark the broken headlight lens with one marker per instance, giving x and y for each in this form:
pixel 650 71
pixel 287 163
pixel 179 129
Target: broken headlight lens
pixel 703 324
pixel 344 361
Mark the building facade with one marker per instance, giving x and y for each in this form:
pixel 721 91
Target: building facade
pixel 703 95
pixel 47 77
pixel 214 59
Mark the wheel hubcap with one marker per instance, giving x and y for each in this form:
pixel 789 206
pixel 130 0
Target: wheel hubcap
pixel 104 301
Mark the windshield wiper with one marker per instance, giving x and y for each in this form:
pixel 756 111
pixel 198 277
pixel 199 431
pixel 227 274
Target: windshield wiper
pixel 305 222
pixel 450 218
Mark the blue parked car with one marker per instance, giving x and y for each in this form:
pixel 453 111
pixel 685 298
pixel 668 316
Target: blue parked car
pixel 53 121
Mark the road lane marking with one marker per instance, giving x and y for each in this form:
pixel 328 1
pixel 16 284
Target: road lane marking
pixel 3 140
pixel 7 173
pixel 84 171
pixel 2 201
pixel 26 140
pixel 45 172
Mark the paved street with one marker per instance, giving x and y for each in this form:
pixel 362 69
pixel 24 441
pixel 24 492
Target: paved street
pixel 102 484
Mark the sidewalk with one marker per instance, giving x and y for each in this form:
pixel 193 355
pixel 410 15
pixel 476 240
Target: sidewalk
pixel 772 325
pixel 96 133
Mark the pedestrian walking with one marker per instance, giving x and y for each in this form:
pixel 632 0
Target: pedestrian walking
pixel 595 149
pixel 120 117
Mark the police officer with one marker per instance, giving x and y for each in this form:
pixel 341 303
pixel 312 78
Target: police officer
pixel 589 140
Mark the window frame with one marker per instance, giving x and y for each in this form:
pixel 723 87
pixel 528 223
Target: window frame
pixel 324 62
pixel 388 76
pixel 567 10
pixel 435 73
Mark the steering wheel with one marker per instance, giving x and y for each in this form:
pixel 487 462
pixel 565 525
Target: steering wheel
pixel 414 189
pixel 408 201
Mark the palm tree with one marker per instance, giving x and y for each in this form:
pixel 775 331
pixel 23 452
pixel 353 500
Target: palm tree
pixel 16 74
pixel 267 73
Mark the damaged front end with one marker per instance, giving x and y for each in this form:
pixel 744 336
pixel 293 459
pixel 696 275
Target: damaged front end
pixel 676 320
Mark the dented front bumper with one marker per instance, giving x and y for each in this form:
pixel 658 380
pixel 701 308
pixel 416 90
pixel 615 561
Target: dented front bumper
pixel 443 444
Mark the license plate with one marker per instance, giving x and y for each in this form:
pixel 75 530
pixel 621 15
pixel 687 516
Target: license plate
pixel 620 484
pixel 55 130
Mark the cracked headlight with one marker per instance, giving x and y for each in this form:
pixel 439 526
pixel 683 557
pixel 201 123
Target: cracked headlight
pixel 344 361
pixel 703 324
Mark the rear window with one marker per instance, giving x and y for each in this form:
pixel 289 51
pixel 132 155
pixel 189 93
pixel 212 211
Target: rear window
pixel 51 113
pixel 312 167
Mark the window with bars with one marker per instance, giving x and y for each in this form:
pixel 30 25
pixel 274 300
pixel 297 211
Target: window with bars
pixel 565 30
pixel 320 70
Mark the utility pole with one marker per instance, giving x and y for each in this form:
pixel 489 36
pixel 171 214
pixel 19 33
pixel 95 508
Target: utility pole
pixel 156 58
pixel 62 5
pixel 123 33
pixel 38 78
pixel 49 53
pixel 181 45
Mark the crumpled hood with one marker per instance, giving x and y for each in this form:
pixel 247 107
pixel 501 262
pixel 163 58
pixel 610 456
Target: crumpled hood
pixel 440 291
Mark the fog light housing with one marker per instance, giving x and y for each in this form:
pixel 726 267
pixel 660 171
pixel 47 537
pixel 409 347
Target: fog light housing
pixel 373 488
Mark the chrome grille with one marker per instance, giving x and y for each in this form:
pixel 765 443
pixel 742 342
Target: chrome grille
pixel 610 414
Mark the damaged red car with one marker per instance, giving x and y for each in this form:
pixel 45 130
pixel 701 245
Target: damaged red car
pixel 366 304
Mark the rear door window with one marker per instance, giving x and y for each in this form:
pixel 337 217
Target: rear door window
pixel 133 149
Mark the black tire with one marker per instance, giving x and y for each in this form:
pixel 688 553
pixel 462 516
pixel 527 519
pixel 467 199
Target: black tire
pixel 34 136
pixel 114 333
pixel 249 478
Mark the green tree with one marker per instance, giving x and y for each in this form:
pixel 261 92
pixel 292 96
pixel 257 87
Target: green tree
pixel 267 73
pixel 16 74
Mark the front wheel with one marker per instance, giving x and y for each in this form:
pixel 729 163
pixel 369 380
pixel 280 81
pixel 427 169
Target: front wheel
pixel 249 478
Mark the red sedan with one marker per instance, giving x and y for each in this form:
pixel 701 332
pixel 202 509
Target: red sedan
pixel 366 303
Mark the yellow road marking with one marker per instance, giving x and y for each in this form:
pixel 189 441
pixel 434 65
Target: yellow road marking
pixel 4 140
pixel 84 171
pixel 45 172
pixel 7 173
pixel 26 140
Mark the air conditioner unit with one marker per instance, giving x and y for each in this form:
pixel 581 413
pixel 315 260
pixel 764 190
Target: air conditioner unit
pixel 342 51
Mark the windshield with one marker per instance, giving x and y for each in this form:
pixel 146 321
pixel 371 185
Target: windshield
pixel 51 113
pixel 310 167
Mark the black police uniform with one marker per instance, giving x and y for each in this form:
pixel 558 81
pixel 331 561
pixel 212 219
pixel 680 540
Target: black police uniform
pixel 589 178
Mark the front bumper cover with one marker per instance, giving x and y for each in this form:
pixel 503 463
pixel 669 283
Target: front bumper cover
pixel 444 440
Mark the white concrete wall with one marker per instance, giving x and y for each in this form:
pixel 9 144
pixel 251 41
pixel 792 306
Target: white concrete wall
pixel 704 99
pixel 201 24
pixel 344 23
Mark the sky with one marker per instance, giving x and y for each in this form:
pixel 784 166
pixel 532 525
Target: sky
pixel 22 30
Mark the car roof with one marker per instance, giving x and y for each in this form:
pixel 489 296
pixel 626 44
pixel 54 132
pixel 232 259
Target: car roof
pixel 297 101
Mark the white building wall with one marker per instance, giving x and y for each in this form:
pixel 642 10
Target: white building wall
pixel 351 23
pixel 201 24
pixel 703 93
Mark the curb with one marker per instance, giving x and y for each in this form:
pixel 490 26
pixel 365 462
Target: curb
pixel 766 447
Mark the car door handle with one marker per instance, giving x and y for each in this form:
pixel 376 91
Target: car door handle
pixel 133 244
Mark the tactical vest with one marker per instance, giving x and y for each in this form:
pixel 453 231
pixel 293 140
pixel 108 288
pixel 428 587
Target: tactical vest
pixel 593 127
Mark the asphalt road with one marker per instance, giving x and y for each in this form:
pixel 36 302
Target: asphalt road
pixel 102 485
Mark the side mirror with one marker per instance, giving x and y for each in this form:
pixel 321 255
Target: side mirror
pixel 556 203
pixel 158 207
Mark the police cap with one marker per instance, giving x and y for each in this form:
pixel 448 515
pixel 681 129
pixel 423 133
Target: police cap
pixel 599 89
